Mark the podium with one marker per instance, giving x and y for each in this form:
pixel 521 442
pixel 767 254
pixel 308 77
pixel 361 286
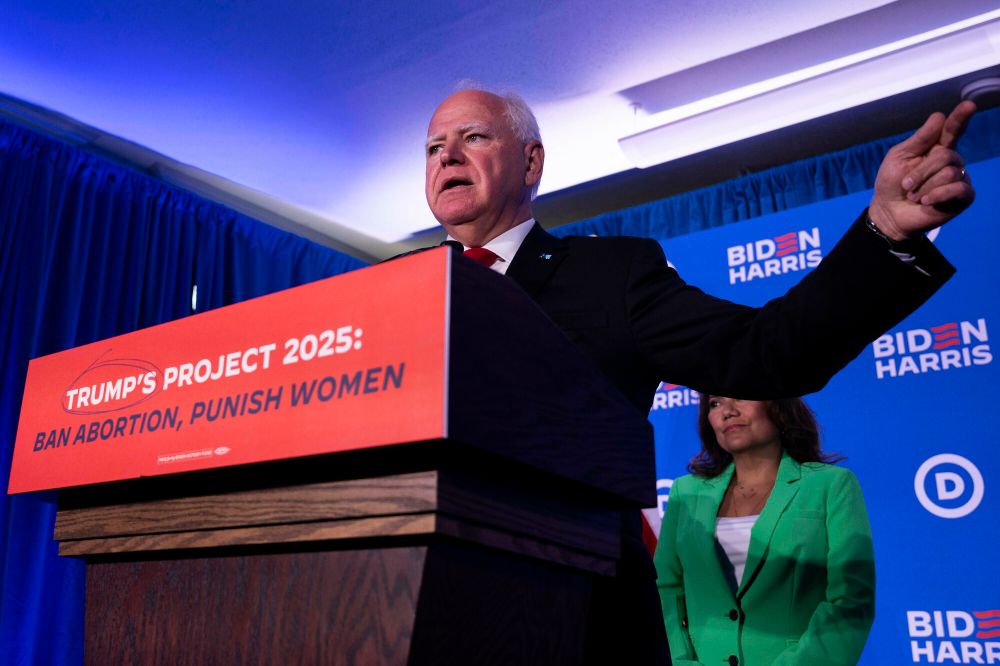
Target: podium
pixel 478 544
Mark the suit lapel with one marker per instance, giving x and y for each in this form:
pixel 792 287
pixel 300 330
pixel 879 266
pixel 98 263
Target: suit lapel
pixel 536 260
pixel 786 486
pixel 707 512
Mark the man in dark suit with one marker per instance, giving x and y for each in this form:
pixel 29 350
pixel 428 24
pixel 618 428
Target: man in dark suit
pixel 627 310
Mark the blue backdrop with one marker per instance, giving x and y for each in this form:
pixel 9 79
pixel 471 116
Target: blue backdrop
pixel 917 403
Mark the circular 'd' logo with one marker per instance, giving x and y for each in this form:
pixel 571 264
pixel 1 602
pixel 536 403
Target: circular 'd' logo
pixel 942 485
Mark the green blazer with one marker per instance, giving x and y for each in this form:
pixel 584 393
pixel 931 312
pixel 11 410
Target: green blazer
pixel 808 590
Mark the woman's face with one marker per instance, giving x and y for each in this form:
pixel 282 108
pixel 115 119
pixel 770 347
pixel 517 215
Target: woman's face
pixel 741 425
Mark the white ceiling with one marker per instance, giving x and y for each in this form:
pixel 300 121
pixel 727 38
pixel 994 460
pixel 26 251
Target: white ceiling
pixel 322 107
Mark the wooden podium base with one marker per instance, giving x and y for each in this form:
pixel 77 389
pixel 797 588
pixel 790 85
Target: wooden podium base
pixel 397 605
pixel 430 567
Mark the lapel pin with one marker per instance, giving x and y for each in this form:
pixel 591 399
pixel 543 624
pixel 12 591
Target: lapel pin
pixel 546 256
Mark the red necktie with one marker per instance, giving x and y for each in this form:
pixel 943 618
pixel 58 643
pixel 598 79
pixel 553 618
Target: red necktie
pixel 481 255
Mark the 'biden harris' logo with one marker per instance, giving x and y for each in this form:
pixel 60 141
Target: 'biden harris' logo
pixel 767 257
pixel 947 346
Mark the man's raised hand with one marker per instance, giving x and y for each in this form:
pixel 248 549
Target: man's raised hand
pixel 922 182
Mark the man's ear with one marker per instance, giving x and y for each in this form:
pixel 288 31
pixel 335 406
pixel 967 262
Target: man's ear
pixel 534 160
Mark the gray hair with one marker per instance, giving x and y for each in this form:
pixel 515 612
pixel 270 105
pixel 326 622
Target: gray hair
pixel 522 121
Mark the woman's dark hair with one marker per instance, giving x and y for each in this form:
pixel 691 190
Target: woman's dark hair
pixel 797 429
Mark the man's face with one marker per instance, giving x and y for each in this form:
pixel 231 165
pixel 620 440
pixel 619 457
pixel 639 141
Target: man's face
pixel 478 175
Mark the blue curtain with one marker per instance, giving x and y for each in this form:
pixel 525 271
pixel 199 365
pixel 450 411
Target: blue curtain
pixel 88 250
pixel 780 188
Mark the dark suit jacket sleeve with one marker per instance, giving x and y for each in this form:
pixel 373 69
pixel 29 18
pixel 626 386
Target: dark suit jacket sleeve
pixel 792 345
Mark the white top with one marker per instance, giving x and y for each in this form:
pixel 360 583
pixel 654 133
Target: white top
pixel 733 536
pixel 505 245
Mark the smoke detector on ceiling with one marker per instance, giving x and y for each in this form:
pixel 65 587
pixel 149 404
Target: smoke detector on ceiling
pixel 984 92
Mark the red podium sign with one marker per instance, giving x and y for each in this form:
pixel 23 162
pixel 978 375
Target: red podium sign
pixel 349 362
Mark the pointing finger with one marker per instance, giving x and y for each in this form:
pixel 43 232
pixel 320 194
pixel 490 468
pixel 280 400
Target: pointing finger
pixel 955 124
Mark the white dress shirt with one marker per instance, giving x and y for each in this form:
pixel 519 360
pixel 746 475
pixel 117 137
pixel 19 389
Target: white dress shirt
pixel 733 535
pixel 505 245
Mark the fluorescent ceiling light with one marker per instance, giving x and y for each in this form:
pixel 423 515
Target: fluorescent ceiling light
pixel 903 65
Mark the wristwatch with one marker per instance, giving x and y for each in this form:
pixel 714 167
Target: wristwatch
pixel 909 246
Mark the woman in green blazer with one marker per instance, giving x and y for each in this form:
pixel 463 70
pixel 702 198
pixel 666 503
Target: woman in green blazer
pixel 765 553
